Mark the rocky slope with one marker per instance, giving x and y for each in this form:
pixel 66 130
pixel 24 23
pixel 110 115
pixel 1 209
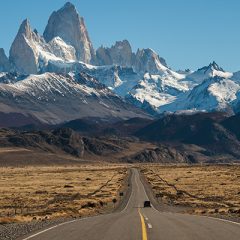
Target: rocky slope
pixel 211 131
pixel 54 98
pixel 4 62
pixel 162 154
pixel 61 140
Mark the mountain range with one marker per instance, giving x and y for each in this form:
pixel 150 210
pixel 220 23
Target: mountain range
pixel 199 138
pixel 59 76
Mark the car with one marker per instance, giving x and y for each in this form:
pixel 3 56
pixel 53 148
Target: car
pixel 147 204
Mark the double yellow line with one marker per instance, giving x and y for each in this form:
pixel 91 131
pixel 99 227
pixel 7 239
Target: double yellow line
pixel 144 228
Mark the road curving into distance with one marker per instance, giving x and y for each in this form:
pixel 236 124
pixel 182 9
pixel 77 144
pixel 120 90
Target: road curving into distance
pixel 137 223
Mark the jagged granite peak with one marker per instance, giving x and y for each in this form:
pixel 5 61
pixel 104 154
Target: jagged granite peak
pixel 209 71
pixel 25 28
pixel 4 62
pixel 67 24
pixel 69 5
pixel 30 54
pixel 212 66
pixel 22 55
pixel 148 60
pixel 216 66
pixel 215 93
pixel 103 56
pixel 119 54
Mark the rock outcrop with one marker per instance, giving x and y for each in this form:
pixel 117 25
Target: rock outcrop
pixel 162 154
pixel 22 54
pixel 30 54
pixel 148 61
pixel 119 54
pixel 4 62
pixel 69 26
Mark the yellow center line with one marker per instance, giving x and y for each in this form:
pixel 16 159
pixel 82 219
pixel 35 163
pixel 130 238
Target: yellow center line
pixel 144 228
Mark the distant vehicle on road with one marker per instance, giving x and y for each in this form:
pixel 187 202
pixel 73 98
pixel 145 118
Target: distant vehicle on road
pixel 147 204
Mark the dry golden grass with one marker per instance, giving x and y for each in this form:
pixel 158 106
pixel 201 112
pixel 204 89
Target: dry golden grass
pixel 50 192
pixel 205 189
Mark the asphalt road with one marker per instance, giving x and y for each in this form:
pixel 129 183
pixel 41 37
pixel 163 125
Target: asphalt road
pixel 137 223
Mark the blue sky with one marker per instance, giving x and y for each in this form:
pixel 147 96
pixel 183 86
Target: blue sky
pixel 187 33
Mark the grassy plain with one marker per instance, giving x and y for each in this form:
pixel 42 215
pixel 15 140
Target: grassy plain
pixel 201 189
pixel 58 191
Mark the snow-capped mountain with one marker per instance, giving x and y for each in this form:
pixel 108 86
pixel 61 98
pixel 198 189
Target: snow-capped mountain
pixel 212 70
pixel 53 98
pixel 37 54
pixel 59 76
pixel 157 90
pixel 213 94
pixel 208 89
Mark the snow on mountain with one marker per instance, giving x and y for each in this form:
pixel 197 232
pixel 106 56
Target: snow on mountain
pixel 158 90
pixel 67 41
pixel 61 50
pixel 213 94
pixel 209 88
pixel 168 90
pixel 70 72
pixel 147 60
pixel 212 70
pixel 54 98
pixel 31 47
pixel 22 50
pixel 160 85
pixel 119 79
pixel 47 84
pixel 2 74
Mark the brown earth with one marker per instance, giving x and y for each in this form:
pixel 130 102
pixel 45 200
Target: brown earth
pixel 208 190
pixel 34 193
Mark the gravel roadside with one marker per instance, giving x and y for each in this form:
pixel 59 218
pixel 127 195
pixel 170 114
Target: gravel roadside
pixel 16 230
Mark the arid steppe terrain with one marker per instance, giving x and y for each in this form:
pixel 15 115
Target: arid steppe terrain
pixel 208 190
pixel 37 193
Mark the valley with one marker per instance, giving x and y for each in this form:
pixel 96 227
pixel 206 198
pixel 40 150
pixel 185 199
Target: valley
pixel 34 198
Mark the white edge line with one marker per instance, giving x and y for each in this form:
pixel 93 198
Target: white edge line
pixel 72 221
pixel 223 220
pixel 61 224
pixel 128 199
pixel 202 216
